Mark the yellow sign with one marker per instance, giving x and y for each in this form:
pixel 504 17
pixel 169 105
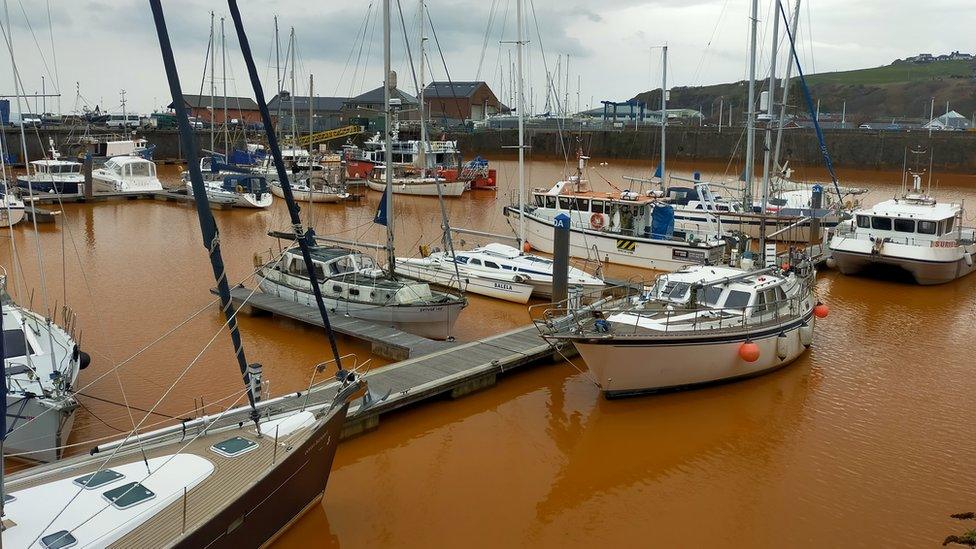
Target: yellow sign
pixel 626 245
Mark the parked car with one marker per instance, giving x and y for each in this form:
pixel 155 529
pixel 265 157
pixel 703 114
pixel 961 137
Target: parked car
pixel 865 127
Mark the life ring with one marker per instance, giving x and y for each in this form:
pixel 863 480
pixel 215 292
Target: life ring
pixel 596 221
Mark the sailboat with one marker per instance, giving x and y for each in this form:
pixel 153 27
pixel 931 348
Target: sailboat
pixel 12 209
pixel 354 284
pixel 497 270
pixel 232 479
pixel 701 324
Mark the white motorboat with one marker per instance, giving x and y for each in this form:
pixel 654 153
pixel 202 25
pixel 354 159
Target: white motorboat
pixel 53 175
pixel 238 190
pixel 42 362
pixel 352 284
pixel 914 233
pixel 699 325
pixel 495 270
pixel 126 174
pixel 12 209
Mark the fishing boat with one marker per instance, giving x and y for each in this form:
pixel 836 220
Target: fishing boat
pixel 126 174
pixel 622 227
pixel 41 361
pixel 698 325
pixel 53 175
pixel 913 233
pixel 230 479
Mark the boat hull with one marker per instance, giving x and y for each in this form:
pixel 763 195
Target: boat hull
pixel 427 271
pixel 276 499
pixel 12 215
pixel 646 253
pixel 307 196
pixel 638 366
pixel 447 188
pixel 52 187
pixel 928 266
pixel 237 200
pixel 106 185
pixel 751 225
pixel 435 321
pixel 50 424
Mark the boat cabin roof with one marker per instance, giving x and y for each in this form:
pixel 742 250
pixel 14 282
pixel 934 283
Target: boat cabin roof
pixel 564 189
pixel 325 253
pixel 913 208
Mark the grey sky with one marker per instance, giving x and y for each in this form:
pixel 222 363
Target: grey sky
pixel 107 45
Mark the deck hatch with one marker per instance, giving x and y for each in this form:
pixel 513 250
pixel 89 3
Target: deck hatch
pixel 98 479
pixel 234 447
pixel 59 540
pixel 7 498
pixel 129 494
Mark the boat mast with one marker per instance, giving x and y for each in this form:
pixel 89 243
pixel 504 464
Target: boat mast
pixel 291 46
pixel 223 54
pixel 770 101
pixel 750 111
pixel 213 83
pixel 521 128
pixel 422 156
pixel 305 238
pixel 311 89
pixel 786 93
pixel 208 227
pixel 388 82
pixel 277 57
pixel 664 107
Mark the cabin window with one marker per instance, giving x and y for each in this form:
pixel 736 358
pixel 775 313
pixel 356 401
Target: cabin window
pixel 61 539
pixel 949 224
pixel 737 299
pixel 780 295
pixel 565 203
pixel 771 298
pixel 337 289
pixel 864 222
pixel 475 262
pixel 353 291
pixel 926 227
pixel 711 295
pixel 760 306
pixel 597 206
pixel 699 207
pixel 97 479
pixel 941 227
pixel 15 344
pixel 129 495
pixel 462 259
pixel 539 200
pixel 507 267
pixel 140 169
pixel 491 265
pixel 722 208
pixel 298 268
pixel 904 225
pixel 583 204
pixel 881 223
pixel 551 202
pixel 675 291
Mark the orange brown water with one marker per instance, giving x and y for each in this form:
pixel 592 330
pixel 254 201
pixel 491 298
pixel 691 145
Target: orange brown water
pixel 865 441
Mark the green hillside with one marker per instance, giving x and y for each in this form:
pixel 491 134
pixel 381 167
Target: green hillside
pixel 897 91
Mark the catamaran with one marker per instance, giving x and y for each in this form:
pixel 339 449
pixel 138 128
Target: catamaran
pixel 914 233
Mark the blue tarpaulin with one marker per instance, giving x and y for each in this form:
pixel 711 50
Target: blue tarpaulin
pixel 662 222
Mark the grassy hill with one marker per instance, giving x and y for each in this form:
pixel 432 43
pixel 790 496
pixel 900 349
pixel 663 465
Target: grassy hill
pixel 899 90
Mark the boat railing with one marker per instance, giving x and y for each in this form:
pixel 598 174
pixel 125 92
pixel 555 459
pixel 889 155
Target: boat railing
pixel 550 318
pixel 929 241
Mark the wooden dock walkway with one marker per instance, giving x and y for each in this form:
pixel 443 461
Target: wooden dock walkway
pixel 165 195
pixel 384 340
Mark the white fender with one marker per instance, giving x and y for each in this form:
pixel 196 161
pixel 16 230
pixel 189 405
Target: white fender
pixel 969 259
pixel 782 346
pixel 806 334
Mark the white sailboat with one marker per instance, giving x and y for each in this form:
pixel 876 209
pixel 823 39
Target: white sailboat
pixel 352 283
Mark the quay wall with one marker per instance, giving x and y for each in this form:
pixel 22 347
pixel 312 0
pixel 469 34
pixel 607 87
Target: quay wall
pixel 864 149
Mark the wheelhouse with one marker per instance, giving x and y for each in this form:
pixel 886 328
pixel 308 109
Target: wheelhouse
pixel 754 296
pixel 56 167
pixel 245 183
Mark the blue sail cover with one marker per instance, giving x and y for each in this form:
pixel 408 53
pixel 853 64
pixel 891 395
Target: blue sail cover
pixel 662 222
pixel 380 218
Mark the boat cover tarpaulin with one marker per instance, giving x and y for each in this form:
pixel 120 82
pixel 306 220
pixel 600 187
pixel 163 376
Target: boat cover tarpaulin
pixel 662 222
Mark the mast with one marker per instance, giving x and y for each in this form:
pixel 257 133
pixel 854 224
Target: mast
pixel 521 128
pixel 213 83
pixel 770 101
pixel 786 92
pixel 750 111
pixel 291 46
pixel 306 239
pixel 422 156
pixel 311 92
pixel 389 81
pixel 208 227
pixel 223 54
pixel 664 108
pixel 277 57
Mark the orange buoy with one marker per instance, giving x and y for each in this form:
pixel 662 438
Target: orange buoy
pixel 749 351
pixel 526 247
pixel 786 267
pixel 820 310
